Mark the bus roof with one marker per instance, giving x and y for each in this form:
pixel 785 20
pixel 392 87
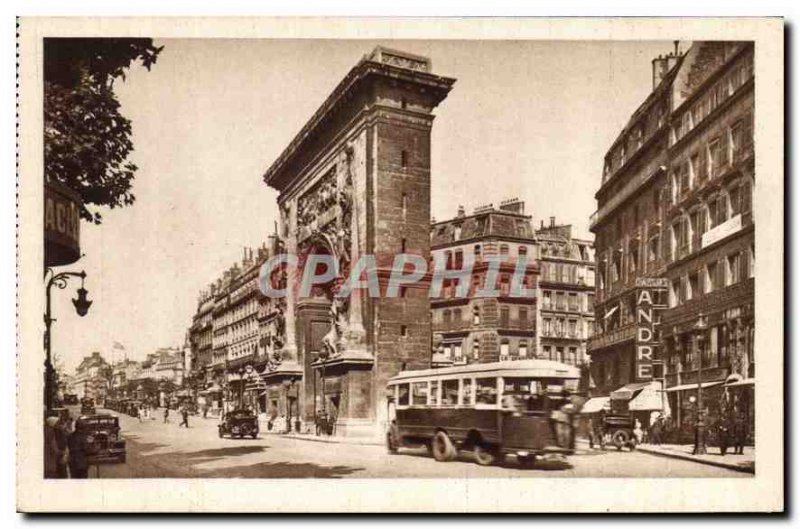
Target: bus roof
pixel 516 368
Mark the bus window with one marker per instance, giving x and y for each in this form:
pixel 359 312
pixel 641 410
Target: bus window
pixel 450 392
pixel 434 400
pixel 486 391
pixel 402 396
pixel 419 393
pixel 520 394
pixel 467 395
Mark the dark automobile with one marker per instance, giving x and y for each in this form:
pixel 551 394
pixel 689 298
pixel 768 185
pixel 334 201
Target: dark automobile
pixel 87 406
pixel 239 423
pixel 102 432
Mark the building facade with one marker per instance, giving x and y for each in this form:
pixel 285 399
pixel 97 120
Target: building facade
pixel 566 294
pixel 675 236
pixel 708 328
pixel 356 181
pixel 476 327
pixel 92 378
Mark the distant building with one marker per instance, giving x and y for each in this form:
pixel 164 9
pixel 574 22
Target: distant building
pixel 492 328
pixel 92 378
pixel 566 287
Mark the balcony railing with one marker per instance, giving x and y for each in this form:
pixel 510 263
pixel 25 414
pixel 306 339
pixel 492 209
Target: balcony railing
pixel 620 334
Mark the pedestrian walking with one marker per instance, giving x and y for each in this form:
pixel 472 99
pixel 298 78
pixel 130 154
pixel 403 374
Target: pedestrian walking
pixel 62 432
pixel 185 417
pixel 205 411
pixel 52 454
pixel 739 428
pixel 656 430
pixel 166 414
pixel 140 412
pixel 78 456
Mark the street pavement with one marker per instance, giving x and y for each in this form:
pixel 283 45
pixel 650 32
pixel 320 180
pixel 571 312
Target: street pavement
pixel 158 450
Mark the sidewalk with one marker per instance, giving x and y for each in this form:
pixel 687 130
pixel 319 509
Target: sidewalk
pixel 741 463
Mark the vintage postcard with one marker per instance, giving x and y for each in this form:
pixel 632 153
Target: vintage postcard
pixel 413 265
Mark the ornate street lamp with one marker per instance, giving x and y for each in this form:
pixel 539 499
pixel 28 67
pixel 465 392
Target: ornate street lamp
pixel 81 304
pixel 700 328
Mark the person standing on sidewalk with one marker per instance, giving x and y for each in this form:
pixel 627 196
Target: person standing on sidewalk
pixel 166 414
pixel 185 416
pixel 78 457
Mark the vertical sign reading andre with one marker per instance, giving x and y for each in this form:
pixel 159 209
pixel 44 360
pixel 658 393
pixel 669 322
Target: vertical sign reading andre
pixel 646 340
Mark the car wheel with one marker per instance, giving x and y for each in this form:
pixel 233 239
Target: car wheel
pixel 620 438
pixel 443 448
pixel 527 461
pixel 485 454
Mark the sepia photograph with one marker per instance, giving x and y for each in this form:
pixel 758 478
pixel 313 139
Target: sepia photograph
pixel 517 259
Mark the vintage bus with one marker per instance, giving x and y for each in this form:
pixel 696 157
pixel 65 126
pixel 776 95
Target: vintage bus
pixel 522 407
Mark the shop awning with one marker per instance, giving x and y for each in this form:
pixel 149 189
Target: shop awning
pixel 595 404
pixel 626 392
pixel 744 382
pixel 649 399
pixel 684 387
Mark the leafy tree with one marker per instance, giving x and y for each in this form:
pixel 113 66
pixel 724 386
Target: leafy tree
pixel 86 139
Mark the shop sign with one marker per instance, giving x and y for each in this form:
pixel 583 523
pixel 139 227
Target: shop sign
pixel 646 342
pixel 61 225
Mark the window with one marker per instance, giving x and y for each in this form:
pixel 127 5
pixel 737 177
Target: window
pixel 751 263
pixel 523 348
pixel 402 395
pixel 734 262
pixel 504 317
pixel 477 251
pixel 404 205
pixel 523 316
pixel 573 328
pixel 573 302
pixel 476 315
pixel 546 352
pixel 476 349
pixel 735 199
pixel 419 393
pixel 504 348
pixel 522 251
pixel 694 286
pixel 403 330
pixel 559 354
pixel 467 393
pixel 674 293
pixel 404 158
pixel 486 391
pixel 712 281
pixel 446 316
pixel 684 178
pixel 547 326
pixel 572 359
pixel 434 393
pixel 456 315
pixel 504 249
pixel 403 245
pixel 652 248
pixel 450 392
pixel 546 299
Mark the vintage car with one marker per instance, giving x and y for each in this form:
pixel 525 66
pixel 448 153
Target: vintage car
pixel 102 431
pixel 87 406
pixel 239 423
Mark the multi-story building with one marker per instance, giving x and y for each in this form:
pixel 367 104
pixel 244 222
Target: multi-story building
pixel 675 237
pixel 233 331
pixel 566 293
pixel 707 329
pixel 485 328
pixel 628 235
pixel 92 377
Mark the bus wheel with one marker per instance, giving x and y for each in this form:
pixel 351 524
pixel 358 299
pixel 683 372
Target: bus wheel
pixel 485 455
pixel 526 461
pixel 620 438
pixel 443 448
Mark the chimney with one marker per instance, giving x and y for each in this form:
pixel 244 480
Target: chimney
pixel 663 64
pixel 461 212
pixel 552 222
pixel 513 205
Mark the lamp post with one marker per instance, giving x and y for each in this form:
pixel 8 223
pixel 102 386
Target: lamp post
pixel 700 428
pixel 81 304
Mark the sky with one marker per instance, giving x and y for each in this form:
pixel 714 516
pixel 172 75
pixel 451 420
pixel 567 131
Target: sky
pixel 527 119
